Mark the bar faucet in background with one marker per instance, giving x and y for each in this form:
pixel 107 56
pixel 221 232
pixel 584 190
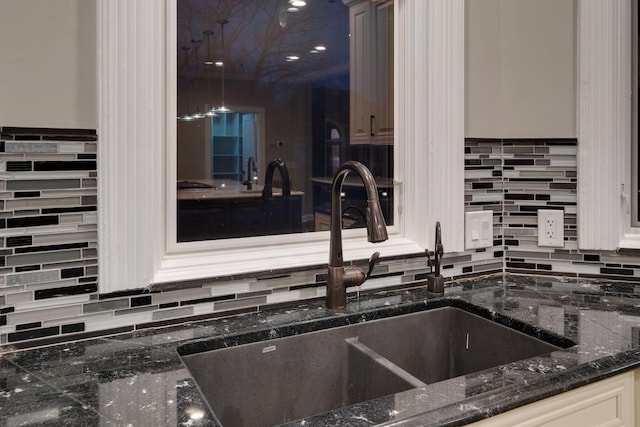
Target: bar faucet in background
pixel 435 281
pixel 339 278
pixel 252 173
pixel 267 191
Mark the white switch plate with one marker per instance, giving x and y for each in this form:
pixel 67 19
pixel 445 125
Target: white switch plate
pixel 551 227
pixel 478 228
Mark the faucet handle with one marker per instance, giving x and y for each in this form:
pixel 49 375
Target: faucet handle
pixel 372 263
pixel 355 276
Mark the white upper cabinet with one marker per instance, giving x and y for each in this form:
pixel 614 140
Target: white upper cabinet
pixel 371 65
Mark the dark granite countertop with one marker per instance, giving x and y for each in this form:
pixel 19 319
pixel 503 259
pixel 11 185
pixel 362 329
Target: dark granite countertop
pixel 138 379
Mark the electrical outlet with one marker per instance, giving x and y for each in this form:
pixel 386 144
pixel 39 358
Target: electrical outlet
pixel 551 227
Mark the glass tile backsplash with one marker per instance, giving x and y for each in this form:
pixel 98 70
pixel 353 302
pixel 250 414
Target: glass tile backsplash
pixel 49 276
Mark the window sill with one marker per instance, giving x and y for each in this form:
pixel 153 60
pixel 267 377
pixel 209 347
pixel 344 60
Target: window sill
pixel 631 239
pixel 199 265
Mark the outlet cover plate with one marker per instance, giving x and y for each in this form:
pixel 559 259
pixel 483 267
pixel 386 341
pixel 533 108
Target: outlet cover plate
pixel 551 228
pixel 478 228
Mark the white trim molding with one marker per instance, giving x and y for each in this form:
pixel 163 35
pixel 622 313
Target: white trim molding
pixel 137 165
pixel 604 123
pixel 430 100
pixel 131 108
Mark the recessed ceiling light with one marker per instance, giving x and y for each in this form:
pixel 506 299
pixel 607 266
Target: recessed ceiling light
pixel 313 51
pixel 219 63
pixel 292 58
pixel 298 3
pixel 320 48
pixel 292 9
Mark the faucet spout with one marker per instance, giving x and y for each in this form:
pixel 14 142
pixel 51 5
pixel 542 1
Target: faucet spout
pixel 267 191
pixel 252 171
pixel 339 278
pixel 435 281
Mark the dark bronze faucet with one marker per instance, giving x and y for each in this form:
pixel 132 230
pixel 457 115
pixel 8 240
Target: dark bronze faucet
pixel 339 278
pixel 267 191
pixel 435 281
pixel 252 171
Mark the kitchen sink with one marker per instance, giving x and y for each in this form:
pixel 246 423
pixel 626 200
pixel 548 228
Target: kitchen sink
pixel 276 380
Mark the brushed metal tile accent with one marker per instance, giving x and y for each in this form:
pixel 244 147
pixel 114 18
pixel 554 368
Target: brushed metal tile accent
pixel 43 257
pixel 53 302
pixel 71 147
pixel 528 254
pixel 76 319
pixel 89 253
pixel 129 311
pixel 172 312
pixel 30 147
pixel 180 295
pixel 49 285
pixel 288 296
pixel 240 303
pixel 45 314
pixel 32 277
pixel 40 184
pixel 112 322
pixel 71 219
pixel 19 297
pixel 46 239
pixel 566 256
pixel 455 258
pixel 25 212
pixel 228 288
pixel 42 202
pixel 77 192
pixel 520 231
pixel 487 267
pixel 108 305
pixel 89 183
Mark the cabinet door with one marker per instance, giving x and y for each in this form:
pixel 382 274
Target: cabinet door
pixel 361 73
pixel 371 71
pixel 383 65
pixel 607 403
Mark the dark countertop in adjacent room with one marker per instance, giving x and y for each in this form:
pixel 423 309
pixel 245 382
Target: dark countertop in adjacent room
pixel 355 181
pixel 138 379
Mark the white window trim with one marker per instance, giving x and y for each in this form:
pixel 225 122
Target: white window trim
pixel 604 129
pixel 135 165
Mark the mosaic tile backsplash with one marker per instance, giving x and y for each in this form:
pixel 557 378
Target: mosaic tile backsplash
pixel 48 241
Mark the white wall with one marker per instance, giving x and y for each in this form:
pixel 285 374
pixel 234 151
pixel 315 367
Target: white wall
pixel 48 65
pixel 520 69
pixel 520 66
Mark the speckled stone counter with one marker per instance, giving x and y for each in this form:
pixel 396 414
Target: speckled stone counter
pixel 139 380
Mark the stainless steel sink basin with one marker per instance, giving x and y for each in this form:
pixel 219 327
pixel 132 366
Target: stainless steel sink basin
pixel 274 381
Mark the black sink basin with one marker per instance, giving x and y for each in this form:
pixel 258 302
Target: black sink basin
pixel 274 381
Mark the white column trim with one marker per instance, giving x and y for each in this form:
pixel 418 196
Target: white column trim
pixel 430 88
pixel 131 99
pixel 604 126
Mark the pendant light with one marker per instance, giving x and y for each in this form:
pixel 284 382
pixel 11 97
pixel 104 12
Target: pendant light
pixel 222 109
pixel 196 42
pixel 208 62
pixel 187 117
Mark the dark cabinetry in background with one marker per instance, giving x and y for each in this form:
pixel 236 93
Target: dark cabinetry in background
pixel 332 147
pixel 223 218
